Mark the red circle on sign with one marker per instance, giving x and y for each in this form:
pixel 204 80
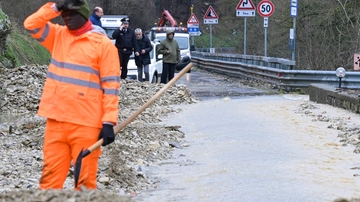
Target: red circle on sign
pixel 265 8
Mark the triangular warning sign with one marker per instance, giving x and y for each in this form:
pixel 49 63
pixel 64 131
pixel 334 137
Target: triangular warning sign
pixel 245 5
pixel 210 14
pixel 193 19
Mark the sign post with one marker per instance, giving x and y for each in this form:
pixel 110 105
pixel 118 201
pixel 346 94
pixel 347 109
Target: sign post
pixel 293 13
pixel 211 18
pixel 265 8
pixel 245 8
pixel 192 37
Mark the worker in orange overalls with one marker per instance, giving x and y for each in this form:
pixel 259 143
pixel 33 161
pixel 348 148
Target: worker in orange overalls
pixel 80 95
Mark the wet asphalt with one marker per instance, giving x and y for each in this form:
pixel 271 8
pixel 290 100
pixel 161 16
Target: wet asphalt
pixel 205 85
pixel 257 148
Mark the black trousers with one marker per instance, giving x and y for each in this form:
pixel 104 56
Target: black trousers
pixel 124 60
pixel 168 72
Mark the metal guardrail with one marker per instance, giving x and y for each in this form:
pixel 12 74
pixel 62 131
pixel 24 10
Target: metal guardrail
pixel 218 50
pixel 279 63
pixel 278 71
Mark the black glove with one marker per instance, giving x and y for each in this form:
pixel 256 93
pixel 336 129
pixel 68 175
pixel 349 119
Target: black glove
pixel 107 133
pixel 69 4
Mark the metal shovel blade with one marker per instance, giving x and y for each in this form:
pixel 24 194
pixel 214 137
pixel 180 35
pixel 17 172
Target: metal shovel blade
pixel 77 167
pixel 78 163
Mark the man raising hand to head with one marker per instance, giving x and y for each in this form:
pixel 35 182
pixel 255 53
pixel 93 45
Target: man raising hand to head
pixel 80 95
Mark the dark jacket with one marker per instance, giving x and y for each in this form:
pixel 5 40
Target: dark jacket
pixel 170 50
pixel 125 41
pixel 95 20
pixel 143 44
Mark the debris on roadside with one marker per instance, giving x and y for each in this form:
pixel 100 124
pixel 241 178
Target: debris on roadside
pixel 122 165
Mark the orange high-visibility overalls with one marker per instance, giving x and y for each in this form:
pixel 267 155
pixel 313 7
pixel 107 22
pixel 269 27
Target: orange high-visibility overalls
pixel 80 93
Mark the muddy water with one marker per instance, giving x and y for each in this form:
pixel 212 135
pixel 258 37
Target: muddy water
pixel 257 149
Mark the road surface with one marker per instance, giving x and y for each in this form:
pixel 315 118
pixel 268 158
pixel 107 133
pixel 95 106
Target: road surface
pixel 258 148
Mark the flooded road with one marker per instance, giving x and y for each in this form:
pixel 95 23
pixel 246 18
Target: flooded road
pixel 257 148
pixel 209 86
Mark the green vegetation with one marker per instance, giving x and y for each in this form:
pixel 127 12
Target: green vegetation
pixel 9 56
pixel 22 49
pixel 18 48
pixel 203 41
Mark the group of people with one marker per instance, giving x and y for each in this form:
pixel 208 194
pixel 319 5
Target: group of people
pixel 129 41
pixel 80 95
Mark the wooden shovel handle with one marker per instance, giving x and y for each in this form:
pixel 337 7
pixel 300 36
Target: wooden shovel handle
pixel 120 126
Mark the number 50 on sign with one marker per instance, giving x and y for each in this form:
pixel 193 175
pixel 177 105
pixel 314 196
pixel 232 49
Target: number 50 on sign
pixel 265 8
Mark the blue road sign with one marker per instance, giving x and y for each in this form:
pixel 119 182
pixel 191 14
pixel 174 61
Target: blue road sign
pixel 293 8
pixel 193 29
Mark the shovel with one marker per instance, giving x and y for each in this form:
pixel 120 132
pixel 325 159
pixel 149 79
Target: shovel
pixel 117 128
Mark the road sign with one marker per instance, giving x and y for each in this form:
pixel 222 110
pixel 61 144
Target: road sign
pixel 293 8
pixel 240 13
pixel 245 5
pixel 292 40
pixel 356 61
pixel 293 11
pixel 266 22
pixel 265 8
pixel 193 26
pixel 292 34
pixel 210 16
pixel 194 30
pixel 195 33
pixel 245 8
pixel 193 19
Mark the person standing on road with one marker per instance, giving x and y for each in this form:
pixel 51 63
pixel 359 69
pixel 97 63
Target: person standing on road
pixel 125 41
pixel 96 16
pixel 80 96
pixel 171 56
pixel 142 59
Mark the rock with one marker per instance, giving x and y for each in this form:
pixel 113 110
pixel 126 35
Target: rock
pixel 104 180
pixel 175 144
pixel 154 145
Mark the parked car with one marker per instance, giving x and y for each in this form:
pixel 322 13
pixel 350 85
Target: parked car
pixel 155 68
pixel 181 36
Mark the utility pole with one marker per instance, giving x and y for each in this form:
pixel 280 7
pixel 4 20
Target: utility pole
pixel 192 37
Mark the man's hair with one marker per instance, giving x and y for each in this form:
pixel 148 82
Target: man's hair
pixel 138 30
pixel 96 9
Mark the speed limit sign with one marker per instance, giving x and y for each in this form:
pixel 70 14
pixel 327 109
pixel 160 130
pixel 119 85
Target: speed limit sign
pixel 265 8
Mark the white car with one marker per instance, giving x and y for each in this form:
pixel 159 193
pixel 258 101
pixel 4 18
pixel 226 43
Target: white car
pixel 155 68
pixel 181 36
pixel 183 41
